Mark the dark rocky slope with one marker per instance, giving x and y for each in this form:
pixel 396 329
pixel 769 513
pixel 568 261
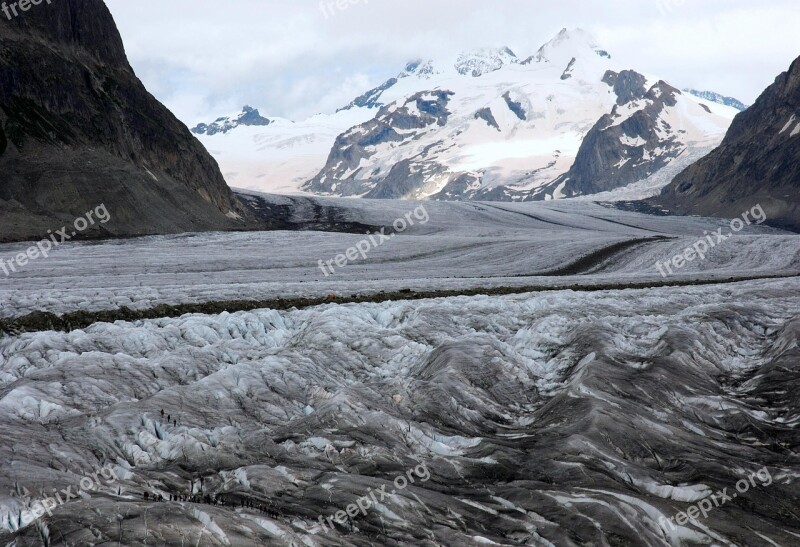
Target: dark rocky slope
pixel 78 128
pixel 758 162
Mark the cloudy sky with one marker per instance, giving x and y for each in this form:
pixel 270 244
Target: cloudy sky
pixel 294 58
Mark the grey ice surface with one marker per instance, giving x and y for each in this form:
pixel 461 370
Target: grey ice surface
pixel 463 245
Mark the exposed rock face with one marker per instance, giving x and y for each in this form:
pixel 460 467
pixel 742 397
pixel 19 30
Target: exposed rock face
pixel 568 71
pixel 757 162
pixel 77 128
pixel 486 115
pixel 515 106
pixel 628 85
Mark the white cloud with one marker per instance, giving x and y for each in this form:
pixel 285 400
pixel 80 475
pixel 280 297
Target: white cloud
pixel 205 58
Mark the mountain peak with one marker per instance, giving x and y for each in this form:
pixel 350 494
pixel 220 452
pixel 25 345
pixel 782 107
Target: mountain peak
pixel 421 68
pixel 566 45
pixel 484 60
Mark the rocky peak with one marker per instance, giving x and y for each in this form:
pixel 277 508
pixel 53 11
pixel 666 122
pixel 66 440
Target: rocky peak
pixel 248 116
pixel 662 92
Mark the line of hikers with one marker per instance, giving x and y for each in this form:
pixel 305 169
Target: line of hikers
pixel 169 419
pixel 210 499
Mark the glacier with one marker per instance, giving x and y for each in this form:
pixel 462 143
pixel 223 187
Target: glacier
pixel 588 409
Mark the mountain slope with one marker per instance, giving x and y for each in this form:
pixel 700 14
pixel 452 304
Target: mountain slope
pixel 757 162
pixel 77 129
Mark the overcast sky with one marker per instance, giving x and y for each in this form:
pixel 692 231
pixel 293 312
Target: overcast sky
pixel 206 58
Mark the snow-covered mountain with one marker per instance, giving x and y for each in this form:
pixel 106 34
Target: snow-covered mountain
pixel 718 98
pixel 565 121
pixel 482 125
